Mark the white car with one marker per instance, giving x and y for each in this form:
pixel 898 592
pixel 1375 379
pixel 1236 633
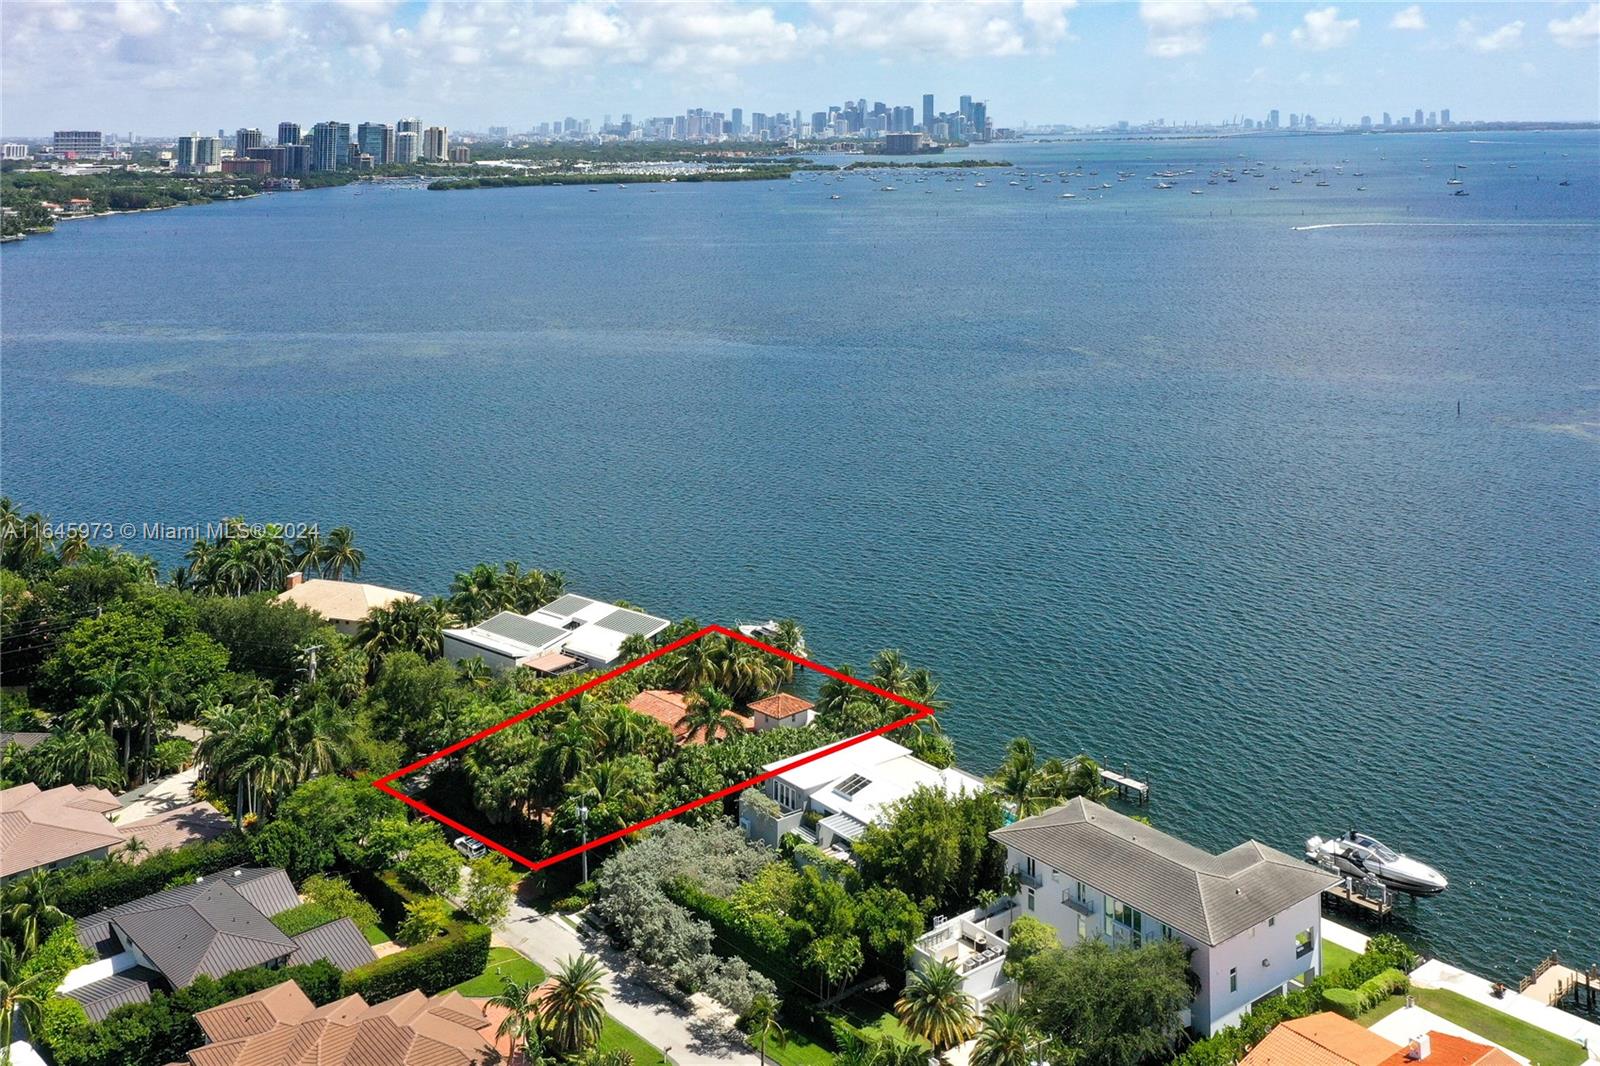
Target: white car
pixel 471 849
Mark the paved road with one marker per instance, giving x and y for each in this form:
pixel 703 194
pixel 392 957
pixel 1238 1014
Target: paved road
pixel 704 1035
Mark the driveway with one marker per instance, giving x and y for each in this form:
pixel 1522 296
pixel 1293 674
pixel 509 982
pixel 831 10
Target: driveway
pixel 158 797
pixel 703 1035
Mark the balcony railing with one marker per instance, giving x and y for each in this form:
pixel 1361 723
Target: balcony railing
pixel 1082 906
pixel 1032 880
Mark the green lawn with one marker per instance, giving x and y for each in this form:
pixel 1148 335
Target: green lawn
pixel 614 1036
pixel 375 935
pixel 1513 1034
pixel 806 1049
pixel 1382 1011
pixel 1336 956
pixel 503 962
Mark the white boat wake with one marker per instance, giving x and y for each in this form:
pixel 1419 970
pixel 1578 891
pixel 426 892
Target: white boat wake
pixel 1449 225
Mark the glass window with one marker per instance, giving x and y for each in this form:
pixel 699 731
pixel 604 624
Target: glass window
pixel 1030 899
pixel 1083 928
pixel 1233 980
pixel 1033 867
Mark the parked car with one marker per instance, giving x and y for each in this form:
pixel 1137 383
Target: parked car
pixel 472 849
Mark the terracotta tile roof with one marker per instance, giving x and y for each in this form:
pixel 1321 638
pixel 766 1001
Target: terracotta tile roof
pixel 550 662
pixel 342 601
pixel 188 824
pixel 39 827
pixel 1447 1050
pixel 670 708
pixel 782 705
pixel 279 1027
pixel 1324 1039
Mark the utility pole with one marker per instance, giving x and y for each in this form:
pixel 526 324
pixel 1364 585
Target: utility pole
pixel 583 819
pixel 310 652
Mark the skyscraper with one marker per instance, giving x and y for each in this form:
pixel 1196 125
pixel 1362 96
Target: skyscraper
pixel 1272 118
pixel 246 139
pixel 738 122
pixel 436 144
pixel 325 146
pixel 927 112
pixel 1416 117
pixel 406 146
pixel 1387 121
pixel 966 108
pixel 1444 116
pixel 377 140
pixel 288 133
pixel 980 120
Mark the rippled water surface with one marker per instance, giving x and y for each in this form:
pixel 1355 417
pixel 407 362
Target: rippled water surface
pixel 1172 479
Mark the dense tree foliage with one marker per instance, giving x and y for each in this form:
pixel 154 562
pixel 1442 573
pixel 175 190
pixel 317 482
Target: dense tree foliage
pixel 936 848
pixel 1113 1006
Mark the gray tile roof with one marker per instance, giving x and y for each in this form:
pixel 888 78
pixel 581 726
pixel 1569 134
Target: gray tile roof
pixel 214 927
pixel 340 942
pixel 100 998
pixel 22 740
pixel 524 630
pixel 1210 897
pixel 569 604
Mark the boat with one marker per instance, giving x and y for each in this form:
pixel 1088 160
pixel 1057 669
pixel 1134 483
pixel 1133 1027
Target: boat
pixel 1454 181
pixel 1163 185
pixel 981 185
pixel 1272 188
pixel 1197 192
pixel 768 631
pixel 1068 196
pixel 887 188
pixel 1361 856
pixel 1461 192
pixel 1563 182
pixel 1322 185
pixel 835 196
pixel 1361 188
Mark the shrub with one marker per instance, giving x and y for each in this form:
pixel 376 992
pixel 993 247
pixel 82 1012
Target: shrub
pixel 96 885
pixel 173 754
pixel 461 954
pixel 1354 1002
pixel 292 846
pixel 335 895
pixel 386 892
pixel 59 954
pixel 297 920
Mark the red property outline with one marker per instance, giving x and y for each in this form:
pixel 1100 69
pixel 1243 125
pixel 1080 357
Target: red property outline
pixel 921 711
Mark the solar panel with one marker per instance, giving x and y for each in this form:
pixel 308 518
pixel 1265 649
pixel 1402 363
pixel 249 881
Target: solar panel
pixel 851 785
pixel 631 623
pixel 523 630
pixel 569 604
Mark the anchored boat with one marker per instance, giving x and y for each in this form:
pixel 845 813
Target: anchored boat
pixel 1361 856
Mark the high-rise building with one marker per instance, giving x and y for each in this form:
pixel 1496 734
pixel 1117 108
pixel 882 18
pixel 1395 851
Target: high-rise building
pixel 1387 121
pixel 966 108
pixel 927 112
pixel 327 145
pixel 409 125
pixel 377 140
pixel 737 115
pixel 1273 119
pixel 1433 118
pixel 199 155
pixel 1444 117
pixel 83 142
pixel 246 139
pixel 16 151
pixel 980 120
pixel 288 133
pixel 407 145
pixel 1416 117
pixel 462 154
pixel 436 144
pixel 1366 122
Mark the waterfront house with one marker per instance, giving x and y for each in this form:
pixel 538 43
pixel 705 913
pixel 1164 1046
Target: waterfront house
pixel 832 800
pixel 345 604
pixel 975 944
pixel 570 633
pixel 215 926
pixel 280 1026
pixel 1252 915
pixel 671 709
pixel 782 711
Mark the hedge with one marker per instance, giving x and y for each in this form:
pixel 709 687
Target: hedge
pixel 459 955
pixel 1354 1002
pixel 98 884
pixel 59 955
pixel 306 916
pixel 385 891
pixel 762 946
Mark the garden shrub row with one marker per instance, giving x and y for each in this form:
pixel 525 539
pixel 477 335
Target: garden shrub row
pixel 305 917
pixel 766 946
pixel 385 891
pixel 1354 1002
pixel 97 884
pixel 459 955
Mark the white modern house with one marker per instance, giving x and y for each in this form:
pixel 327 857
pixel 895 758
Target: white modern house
pixel 843 792
pixel 1252 915
pixel 975 944
pixel 570 633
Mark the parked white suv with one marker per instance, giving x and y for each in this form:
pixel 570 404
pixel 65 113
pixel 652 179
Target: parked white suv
pixel 472 849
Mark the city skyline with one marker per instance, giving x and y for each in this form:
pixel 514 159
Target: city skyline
pixel 472 67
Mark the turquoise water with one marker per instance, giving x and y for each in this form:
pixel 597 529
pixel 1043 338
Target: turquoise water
pixel 1161 477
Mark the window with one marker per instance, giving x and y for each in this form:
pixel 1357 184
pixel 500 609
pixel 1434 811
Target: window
pixel 1305 942
pixel 1083 893
pixel 1272 921
pixel 1123 924
pixel 1083 928
pixel 1030 899
pixel 1233 979
pixel 1032 867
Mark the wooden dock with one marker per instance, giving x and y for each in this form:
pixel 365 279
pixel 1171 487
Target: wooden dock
pixel 1368 898
pixel 1552 981
pixel 1127 787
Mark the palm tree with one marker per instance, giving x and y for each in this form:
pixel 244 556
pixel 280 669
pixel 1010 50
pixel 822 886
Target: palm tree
pixel 573 1007
pixel 748 673
pixel 79 757
pixel 890 671
pixel 20 997
pixel 761 1022
pixel 624 731
pixel 157 680
pixel 73 547
pixel 342 554
pixel 695 664
pixel 1004 1040
pixel 115 704
pixel 29 912
pixel 618 792
pixel 935 1007
pixel 134 848
pixel 405 625
pixel 521 1022
pixel 710 713
pixel 635 646
pixel 477 593
pixel 309 551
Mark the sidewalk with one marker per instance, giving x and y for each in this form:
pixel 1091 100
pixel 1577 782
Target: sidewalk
pixel 1436 974
pixel 1344 936
pixel 705 1035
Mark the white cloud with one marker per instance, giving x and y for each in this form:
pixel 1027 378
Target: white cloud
pixel 1580 31
pixel 1269 39
pixel 1409 19
pixel 1324 29
pixel 951 30
pixel 1495 40
pixel 1182 27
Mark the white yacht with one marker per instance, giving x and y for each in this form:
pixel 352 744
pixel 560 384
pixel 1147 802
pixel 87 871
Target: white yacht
pixel 1358 855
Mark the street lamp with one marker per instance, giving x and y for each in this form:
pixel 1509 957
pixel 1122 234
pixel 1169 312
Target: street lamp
pixel 583 819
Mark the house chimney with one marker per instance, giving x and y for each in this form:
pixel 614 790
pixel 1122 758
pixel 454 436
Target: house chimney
pixel 294 580
pixel 1418 1049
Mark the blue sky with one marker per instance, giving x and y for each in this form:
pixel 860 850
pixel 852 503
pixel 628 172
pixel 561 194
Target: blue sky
pixel 154 67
